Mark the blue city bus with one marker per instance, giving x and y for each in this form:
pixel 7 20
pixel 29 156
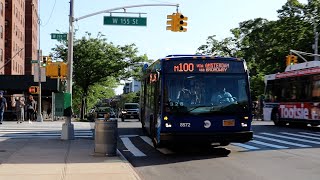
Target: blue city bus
pixel 196 99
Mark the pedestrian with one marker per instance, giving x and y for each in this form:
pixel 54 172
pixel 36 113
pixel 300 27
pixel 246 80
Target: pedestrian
pixel 20 109
pixel 31 109
pixel 3 106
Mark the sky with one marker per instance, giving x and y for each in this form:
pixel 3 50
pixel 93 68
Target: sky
pixel 205 18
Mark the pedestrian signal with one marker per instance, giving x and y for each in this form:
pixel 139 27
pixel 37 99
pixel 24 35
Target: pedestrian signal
pixel 34 89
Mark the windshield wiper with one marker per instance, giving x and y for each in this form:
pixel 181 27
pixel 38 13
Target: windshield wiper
pixel 196 108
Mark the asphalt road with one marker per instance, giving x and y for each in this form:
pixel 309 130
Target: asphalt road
pixel 276 153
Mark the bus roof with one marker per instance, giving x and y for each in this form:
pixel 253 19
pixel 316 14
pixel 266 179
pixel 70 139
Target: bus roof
pixel 306 68
pixel 197 56
pixel 305 65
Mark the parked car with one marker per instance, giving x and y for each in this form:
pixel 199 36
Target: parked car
pixel 130 111
pixel 101 112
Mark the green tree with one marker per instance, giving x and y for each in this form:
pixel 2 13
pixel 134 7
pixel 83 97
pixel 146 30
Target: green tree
pixel 265 44
pixel 132 97
pixel 96 60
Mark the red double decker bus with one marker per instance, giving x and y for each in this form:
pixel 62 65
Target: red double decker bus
pixel 293 96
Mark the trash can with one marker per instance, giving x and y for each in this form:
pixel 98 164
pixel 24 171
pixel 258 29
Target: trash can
pixel 106 134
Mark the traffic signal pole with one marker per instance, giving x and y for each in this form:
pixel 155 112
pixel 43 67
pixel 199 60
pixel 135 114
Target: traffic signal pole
pixel 68 128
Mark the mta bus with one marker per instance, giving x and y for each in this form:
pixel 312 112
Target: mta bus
pixel 293 96
pixel 179 101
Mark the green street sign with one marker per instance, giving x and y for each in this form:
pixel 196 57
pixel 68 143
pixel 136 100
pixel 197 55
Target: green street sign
pixel 34 61
pixel 63 104
pixel 125 21
pixel 59 36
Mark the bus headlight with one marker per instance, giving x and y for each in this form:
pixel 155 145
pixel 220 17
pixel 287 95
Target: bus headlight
pixel 168 125
pixel 244 124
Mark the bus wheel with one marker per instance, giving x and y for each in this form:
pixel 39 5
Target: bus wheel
pixel 276 119
pixel 156 144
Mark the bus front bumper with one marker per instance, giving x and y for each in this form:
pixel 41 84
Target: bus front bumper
pixel 217 137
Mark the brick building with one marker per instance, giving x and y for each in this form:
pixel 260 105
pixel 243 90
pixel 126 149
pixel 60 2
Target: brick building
pixel 20 37
pixel 2 28
pixel 31 34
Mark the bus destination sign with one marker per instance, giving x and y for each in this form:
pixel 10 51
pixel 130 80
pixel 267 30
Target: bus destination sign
pixel 204 67
pixel 207 67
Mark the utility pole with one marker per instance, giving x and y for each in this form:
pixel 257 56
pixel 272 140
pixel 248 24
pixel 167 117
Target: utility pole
pixel 39 115
pixel 67 132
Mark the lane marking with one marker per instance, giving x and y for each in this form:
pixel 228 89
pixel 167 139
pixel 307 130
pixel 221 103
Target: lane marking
pixel 292 138
pixel 281 141
pixel 128 144
pixel 298 135
pixel 269 145
pixel 245 146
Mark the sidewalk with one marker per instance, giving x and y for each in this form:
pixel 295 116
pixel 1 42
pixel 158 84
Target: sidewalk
pixel 54 159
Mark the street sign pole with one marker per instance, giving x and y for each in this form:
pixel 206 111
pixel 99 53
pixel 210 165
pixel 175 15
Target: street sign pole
pixel 67 132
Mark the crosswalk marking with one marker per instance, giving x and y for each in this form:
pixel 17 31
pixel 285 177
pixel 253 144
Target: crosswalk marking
pixel 269 145
pixel 128 144
pixel 298 135
pixel 25 133
pixel 281 141
pixel 318 135
pixel 245 146
pixel 292 138
pixel 147 140
pixel 262 141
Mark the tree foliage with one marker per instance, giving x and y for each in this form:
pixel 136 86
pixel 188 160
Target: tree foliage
pixel 132 97
pixel 265 44
pixel 96 62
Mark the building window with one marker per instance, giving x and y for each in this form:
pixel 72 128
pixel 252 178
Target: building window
pixel 1 9
pixel 1 32
pixel 1 55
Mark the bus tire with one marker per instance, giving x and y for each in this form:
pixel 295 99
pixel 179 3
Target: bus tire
pixel 276 119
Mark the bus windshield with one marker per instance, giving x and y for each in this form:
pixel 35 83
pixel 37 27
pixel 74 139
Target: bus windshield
pixel 206 94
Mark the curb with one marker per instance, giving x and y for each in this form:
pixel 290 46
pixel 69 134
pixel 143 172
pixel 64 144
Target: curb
pixel 129 165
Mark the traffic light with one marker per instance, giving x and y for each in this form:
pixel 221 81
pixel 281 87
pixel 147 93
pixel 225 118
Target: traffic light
pixel 46 60
pixel 172 22
pixel 52 70
pixel 181 22
pixel 63 69
pixel 291 59
pixel 34 90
